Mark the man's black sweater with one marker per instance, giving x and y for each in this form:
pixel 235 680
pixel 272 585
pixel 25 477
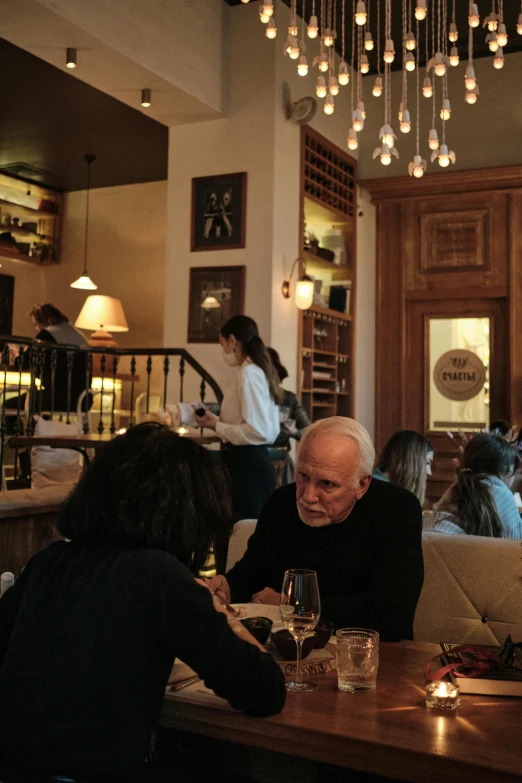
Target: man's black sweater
pixel 369 567
pixel 88 637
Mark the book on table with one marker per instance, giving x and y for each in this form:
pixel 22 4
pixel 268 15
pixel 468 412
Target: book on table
pixel 501 681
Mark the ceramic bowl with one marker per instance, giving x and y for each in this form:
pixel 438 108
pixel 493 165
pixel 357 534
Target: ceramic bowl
pixel 284 642
pixel 259 627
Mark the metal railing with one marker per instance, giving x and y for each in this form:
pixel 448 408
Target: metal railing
pixel 102 389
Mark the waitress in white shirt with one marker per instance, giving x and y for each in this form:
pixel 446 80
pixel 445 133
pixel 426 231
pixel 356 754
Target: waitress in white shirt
pixel 249 417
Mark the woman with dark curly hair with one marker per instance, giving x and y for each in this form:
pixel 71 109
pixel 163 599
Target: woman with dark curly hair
pixel 480 502
pixel 90 631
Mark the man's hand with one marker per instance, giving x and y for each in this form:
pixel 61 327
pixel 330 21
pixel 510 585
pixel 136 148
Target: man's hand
pixel 267 596
pixel 219 586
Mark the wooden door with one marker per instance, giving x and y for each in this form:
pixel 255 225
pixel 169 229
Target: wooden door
pixel 416 401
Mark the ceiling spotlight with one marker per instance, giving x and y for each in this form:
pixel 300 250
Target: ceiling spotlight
pixel 145 98
pixel 70 58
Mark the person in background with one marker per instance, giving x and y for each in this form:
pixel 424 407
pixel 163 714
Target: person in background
pixel 249 418
pixel 293 417
pixel 90 631
pixel 406 461
pixel 480 502
pixel 500 427
pixel 52 326
pixel 362 537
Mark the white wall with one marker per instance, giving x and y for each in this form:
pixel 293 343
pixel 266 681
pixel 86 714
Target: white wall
pixel 126 259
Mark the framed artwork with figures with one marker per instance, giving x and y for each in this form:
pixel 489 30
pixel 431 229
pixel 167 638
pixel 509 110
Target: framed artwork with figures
pixel 216 294
pixel 218 212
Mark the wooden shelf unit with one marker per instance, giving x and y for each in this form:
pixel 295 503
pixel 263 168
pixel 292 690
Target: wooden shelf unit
pixel 29 204
pixel 328 197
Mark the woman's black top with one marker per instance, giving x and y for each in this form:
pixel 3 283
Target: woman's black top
pixel 88 637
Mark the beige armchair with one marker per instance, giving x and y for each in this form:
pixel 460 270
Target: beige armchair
pixel 472 590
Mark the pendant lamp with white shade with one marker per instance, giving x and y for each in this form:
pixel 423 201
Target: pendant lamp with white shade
pixel 84 282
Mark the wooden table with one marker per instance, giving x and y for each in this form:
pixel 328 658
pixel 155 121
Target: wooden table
pixel 389 732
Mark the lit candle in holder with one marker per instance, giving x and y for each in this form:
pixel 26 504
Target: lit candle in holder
pixel 181 430
pixel 442 695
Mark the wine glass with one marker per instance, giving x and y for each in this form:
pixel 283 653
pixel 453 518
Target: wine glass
pixel 300 610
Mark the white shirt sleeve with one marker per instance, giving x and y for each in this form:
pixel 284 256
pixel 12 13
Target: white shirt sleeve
pixel 259 424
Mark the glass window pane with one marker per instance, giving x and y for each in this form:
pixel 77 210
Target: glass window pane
pixel 447 334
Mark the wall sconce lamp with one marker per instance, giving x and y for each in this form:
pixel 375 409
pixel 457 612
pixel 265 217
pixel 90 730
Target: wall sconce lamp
pixel 304 289
pixel 70 58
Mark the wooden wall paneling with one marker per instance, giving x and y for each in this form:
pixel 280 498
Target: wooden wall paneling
pixel 458 242
pixel 515 307
pixel 389 353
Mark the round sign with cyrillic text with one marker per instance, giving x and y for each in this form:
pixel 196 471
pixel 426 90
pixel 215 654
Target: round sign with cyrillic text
pixel 459 375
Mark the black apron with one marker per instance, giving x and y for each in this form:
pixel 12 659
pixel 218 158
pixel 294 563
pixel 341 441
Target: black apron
pixel 253 478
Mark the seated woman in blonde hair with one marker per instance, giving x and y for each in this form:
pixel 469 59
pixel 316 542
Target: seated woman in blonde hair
pixel 480 502
pixel 406 461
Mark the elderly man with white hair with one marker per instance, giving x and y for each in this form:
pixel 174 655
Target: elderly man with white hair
pixel 363 537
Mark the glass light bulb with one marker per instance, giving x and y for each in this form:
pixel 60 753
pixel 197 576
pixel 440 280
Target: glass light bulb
pixel 264 18
pixel 409 62
pixel 293 30
pixel 304 293
pixel 445 112
pixel 328 37
pixel 302 68
pixel 453 33
pixel 368 42
pixel 294 52
pixel 440 69
pixel 492 23
pixel 357 121
pixel 333 85
pixel 427 89
pixel 385 158
pixel 313 27
pixel 352 140
pixel 323 63
pixel 493 43
pixel 433 140
pixel 343 77
pixel 388 139
pixel 320 87
pixel 420 10
pixel 389 52
pixel 498 62
pixel 377 87
pixel 410 42
pixel 271 29
pixel 454 56
pixel 360 13
pixel 519 24
pixel 364 64
pixel 268 8
pixel 443 160
pixel 470 80
pixel 329 105
pixel 405 126
pixel 502 38
pixel 473 18
pixel 418 172
pixel 471 97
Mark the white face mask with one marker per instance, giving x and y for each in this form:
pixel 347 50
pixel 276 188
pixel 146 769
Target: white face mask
pixel 230 358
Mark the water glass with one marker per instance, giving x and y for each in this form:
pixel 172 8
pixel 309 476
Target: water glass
pixel 357 659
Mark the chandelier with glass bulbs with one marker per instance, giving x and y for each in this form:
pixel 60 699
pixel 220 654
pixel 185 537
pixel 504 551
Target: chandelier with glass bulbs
pixel 422 20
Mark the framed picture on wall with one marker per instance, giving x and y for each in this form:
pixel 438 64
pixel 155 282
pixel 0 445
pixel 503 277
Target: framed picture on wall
pixel 216 294
pixel 218 212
